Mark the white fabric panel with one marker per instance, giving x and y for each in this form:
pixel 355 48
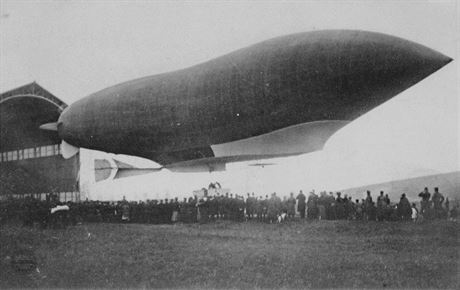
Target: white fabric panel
pixel 297 139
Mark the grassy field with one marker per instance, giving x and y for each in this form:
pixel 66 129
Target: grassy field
pixel 236 255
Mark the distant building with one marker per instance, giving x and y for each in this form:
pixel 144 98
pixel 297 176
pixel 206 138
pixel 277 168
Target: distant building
pixel 30 160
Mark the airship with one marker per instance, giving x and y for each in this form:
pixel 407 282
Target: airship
pixel 280 97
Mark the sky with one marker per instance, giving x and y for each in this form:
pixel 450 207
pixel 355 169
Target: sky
pixel 74 48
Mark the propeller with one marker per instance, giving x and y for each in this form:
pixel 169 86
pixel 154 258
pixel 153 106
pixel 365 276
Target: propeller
pixel 262 164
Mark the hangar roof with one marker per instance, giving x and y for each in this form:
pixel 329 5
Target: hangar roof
pixel 22 111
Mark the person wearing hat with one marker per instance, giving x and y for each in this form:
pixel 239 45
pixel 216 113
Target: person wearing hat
pixel 301 204
pixel 425 202
pixel 274 206
pixel 368 206
pixel 381 205
pixel 291 206
pixel 312 205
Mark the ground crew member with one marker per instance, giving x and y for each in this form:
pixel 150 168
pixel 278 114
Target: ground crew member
pixel 425 195
pixel 291 206
pixel 438 199
pixel 381 204
pixel 301 204
pixel 404 208
pixel 312 205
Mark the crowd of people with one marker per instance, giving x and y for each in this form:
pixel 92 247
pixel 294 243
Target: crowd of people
pixel 206 208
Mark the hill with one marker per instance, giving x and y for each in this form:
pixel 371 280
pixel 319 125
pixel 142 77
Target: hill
pixel 448 183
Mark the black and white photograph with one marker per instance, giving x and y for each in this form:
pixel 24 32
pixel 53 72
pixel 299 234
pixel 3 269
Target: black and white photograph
pixel 229 144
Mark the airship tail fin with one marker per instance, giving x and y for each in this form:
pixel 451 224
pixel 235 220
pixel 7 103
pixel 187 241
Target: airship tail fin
pixel 68 150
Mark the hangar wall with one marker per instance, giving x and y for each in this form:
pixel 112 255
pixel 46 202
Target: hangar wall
pixel 30 160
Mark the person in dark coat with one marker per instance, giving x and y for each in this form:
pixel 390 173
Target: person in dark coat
pixel 259 208
pixel 358 210
pixel 301 204
pixel 381 206
pixel 284 205
pixel 369 206
pixel 404 208
pixel 425 202
pixel 250 206
pixel 291 206
pixel 274 207
pixel 322 200
pixel 202 209
pixel 331 207
pixel 438 199
pixel 265 207
pixel 339 206
pixel 125 210
pixel 312 205
pixel 175 210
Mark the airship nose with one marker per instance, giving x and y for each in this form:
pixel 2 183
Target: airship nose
pixel 434 58
pixel 65 126
pixel 78 124
pixel 65 133
pixel 54 126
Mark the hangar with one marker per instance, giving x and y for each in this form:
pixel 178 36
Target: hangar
pixel 30 159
